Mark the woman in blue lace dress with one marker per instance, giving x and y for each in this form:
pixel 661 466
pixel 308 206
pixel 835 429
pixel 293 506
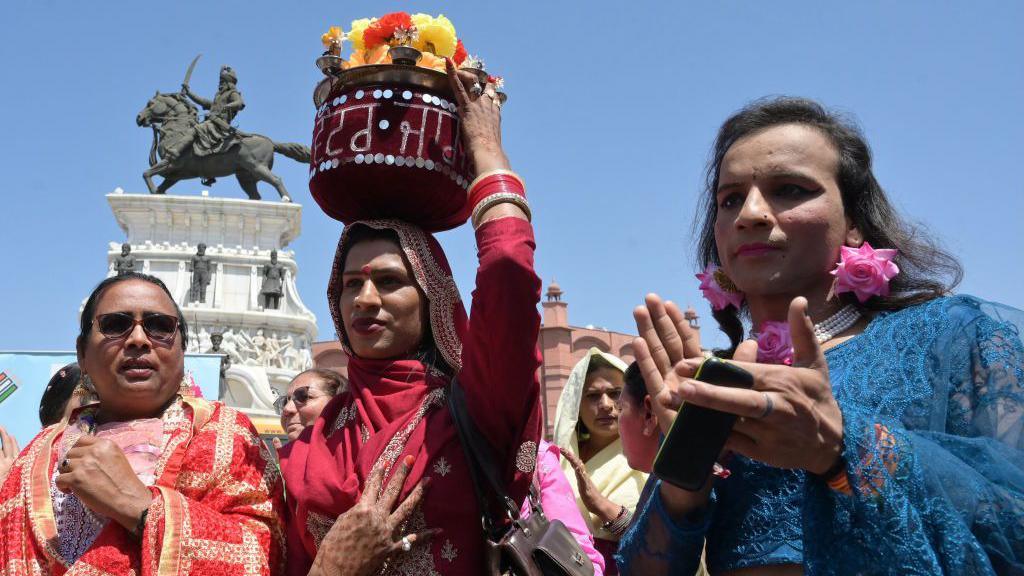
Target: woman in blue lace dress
pixel 894 444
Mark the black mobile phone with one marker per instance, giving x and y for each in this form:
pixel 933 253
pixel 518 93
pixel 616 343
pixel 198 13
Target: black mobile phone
pixel 697 436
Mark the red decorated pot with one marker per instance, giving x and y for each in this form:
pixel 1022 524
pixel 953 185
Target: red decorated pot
pixel 386 144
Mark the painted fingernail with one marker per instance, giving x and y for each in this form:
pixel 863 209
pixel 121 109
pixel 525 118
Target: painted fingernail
pixel 409 460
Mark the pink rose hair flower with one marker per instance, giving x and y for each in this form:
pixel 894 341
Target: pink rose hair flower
pixel 718 289
pixel 865 271
pixel 774 344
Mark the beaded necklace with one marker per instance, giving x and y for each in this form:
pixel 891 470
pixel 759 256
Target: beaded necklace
pixel 832 326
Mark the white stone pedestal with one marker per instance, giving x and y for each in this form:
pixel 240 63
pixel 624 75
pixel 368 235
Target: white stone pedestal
pixel 266 347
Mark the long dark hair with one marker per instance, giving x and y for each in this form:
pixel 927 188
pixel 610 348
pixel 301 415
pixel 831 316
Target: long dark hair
pixel 427 353
pixel 94 298
pixel 926 271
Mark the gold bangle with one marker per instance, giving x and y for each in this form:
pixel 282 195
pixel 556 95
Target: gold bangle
pixel 499 198
pixel 492 173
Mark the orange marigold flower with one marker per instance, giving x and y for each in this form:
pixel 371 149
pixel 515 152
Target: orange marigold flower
pixel 431 61
pixel 383 30
pixel 378 55
pixel 460 53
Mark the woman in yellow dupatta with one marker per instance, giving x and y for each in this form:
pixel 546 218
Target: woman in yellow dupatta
pixel 150 480
pixel 587 431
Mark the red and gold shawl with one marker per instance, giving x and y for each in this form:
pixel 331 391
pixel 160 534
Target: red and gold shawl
pixel 216 510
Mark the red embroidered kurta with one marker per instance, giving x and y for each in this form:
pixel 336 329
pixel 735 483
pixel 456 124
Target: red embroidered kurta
pixel 394 408
pixel 216 510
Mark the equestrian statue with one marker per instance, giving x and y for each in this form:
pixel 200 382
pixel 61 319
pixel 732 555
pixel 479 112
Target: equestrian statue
pixel 186 147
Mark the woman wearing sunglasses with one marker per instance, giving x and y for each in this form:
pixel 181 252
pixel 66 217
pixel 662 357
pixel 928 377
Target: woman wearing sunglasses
pixel 307 395
pixel 149 478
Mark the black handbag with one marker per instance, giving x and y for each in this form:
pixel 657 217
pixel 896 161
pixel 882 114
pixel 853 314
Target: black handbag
pixel 535 546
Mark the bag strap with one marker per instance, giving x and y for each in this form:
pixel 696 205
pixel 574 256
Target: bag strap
pixel 480 457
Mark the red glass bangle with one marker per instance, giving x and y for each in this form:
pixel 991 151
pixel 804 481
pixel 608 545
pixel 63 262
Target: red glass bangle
pixel 494 184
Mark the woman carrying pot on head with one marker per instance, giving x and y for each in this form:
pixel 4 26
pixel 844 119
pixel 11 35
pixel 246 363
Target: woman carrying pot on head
pixel 587 432
pixel 398 314
pixel 150 478
pixel 883 433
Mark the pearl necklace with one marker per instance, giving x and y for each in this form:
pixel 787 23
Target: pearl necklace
pixel 832 326
pixel 836 324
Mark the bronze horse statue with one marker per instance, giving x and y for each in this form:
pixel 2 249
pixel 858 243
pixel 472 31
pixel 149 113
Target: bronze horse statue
pixel 173 119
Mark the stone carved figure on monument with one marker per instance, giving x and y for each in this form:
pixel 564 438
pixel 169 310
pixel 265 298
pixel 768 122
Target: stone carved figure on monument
pixel 253 349
pixel 279 351
pixel 184 148
pixel 124 263
pixel 216 340
pixel 273 283
pixel 233 345
pixel 298 355
pixel 201 267
pixel 289 352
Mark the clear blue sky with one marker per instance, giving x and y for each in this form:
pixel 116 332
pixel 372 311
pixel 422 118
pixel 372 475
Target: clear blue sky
pixel 613 108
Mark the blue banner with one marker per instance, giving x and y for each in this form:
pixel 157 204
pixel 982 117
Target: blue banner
pixel 24 375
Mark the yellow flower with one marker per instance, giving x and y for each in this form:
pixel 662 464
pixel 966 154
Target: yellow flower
pixel 436 35
pixel 421 20
pixel 441 20
pixel 356 33
pixel 332 39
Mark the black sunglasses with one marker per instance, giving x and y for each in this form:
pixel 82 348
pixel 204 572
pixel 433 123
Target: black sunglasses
pixel 157 326
pixel 300 397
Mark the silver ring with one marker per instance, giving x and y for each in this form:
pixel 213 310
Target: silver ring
pixel 406 544
pixel 769 406
pixel 64 465
pixel 476 89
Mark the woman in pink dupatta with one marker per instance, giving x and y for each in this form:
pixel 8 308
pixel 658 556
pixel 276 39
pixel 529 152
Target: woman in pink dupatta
pixel 398 313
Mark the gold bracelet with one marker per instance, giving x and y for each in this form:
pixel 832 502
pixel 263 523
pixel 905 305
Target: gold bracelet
pixel 499 198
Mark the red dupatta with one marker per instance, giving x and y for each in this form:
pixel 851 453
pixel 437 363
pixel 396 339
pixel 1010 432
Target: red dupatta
pixel 394 408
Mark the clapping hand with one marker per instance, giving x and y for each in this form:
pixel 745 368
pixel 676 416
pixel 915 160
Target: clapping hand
pixel 790 419
pixel 665 340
